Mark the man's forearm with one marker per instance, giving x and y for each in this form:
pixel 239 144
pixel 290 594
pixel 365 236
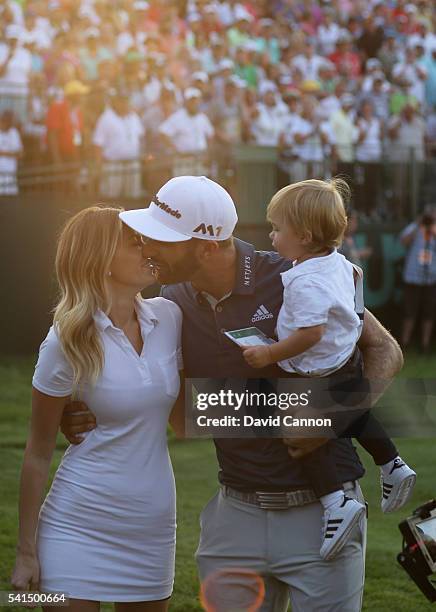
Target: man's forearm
pixel 382 356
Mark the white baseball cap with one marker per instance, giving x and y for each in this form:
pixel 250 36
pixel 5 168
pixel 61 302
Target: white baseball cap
pixel 192 92
pixel 186 207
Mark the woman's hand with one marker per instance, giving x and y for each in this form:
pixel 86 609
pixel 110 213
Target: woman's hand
pixel 258 356
pixel 25 576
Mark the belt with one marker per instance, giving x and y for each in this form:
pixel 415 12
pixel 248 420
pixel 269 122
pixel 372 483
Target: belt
pixel 277 500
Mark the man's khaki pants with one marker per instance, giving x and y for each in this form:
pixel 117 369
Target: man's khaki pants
pixel 281 546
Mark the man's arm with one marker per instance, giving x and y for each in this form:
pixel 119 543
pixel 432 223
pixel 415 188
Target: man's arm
pixel 76 420
pixel 382 356
pixel 382 359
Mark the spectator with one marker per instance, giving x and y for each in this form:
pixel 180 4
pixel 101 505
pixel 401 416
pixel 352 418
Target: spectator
pixel 15 68
pixel 245 67
pixel 267 42
pixel 428 62
pixel 349 249
pixel 328 33
pixel 155 115
pixel 118 142
pixel 93 54
pixel 411 74
pixel 419 277
pixel 345 132
pixel 226 114
pixel 346 60
pixel 406 144
pixel 10 151
pixel 310 139
pixel 267 120
pixel 378 95
pixel 371 39
pixel 389 54
pixel 65 124
pixel 188 133
pixel 309 63
pixel 368 153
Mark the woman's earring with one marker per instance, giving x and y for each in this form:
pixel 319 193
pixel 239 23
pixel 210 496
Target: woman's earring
pixel 109 273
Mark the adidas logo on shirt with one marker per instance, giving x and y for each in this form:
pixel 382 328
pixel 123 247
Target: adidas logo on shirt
pixel 261 314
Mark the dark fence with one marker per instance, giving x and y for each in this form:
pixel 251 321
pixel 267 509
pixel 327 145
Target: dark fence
pixel 30 222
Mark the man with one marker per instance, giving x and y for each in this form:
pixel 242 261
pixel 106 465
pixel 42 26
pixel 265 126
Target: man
pixel 345 132
pixel 406 151
pixel 117 143
pixel 11 149
pixel 65 124
pixel 268 119
pixel 220 283
pixel 188 131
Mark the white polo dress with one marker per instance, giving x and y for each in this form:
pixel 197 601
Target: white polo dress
pixel 107 527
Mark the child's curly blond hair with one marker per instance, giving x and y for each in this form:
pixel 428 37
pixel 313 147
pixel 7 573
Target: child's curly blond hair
pixel 314 209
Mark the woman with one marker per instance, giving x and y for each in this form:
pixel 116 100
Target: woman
pixel 368 153
pixel 106 531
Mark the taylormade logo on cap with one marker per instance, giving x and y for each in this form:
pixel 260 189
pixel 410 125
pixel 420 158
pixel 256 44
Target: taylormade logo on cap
pixel 166 208
pixel 186 207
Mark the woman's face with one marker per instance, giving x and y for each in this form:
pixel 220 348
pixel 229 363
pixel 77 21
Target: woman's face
pixel 129 269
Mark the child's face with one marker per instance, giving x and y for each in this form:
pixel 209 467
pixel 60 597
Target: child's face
pixel 285 240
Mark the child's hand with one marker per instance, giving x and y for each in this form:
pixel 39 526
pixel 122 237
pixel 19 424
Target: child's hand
pixel 258 356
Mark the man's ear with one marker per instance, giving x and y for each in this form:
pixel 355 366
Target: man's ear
pixel 306 238
pixel 209 248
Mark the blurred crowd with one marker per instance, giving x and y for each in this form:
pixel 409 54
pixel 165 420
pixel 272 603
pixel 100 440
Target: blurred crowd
pixel 327 82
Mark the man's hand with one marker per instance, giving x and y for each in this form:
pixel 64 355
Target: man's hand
pixel 76 420
pixel 258 356
pixel 299 447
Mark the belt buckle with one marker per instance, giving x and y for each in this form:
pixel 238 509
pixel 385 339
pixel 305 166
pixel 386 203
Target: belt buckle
pixel 268 500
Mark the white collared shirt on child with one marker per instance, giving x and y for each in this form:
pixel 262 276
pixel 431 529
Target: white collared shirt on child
pixel 320 291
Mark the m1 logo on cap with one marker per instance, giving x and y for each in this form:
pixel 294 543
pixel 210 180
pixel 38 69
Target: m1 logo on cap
pixel 166 208
pixel 208 229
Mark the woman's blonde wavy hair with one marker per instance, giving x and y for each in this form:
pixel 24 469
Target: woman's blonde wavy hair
pixel 84 254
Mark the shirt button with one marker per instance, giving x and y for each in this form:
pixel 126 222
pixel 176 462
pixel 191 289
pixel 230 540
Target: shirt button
pixel 219 308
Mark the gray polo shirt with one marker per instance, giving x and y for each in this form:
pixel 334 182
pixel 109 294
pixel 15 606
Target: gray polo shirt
pixel 246 464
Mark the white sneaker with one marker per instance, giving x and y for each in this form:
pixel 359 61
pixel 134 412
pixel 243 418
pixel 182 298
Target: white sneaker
pixel 339 520
pixel 397 487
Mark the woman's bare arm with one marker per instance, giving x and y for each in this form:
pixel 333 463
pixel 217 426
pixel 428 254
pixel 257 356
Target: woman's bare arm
pixel 177 416
pixel 46 417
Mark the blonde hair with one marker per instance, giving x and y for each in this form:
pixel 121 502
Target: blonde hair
pixel 314 209
pixel 84 254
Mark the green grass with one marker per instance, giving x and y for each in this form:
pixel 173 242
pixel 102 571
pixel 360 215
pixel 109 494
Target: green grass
pixel 387 587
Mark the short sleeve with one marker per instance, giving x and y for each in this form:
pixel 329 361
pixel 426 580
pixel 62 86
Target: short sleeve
pixel 208 127
pixel 178 320
pixel 53 120
pixel 306 302
pixel 99 137
pixel 169 127
pixel 17 146
pixel 53 374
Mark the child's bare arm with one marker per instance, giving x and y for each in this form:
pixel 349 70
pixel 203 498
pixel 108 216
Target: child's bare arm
pixel 298 342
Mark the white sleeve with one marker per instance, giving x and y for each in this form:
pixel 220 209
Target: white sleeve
pixel 139 125
pixel 53 374
pixel 208 127
pixel 99 137
pixel 306 302
pixel 16 144
pixel 176 316
pixel 169 127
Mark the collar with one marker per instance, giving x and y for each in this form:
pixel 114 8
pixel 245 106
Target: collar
pixel 146 316
pixel 310 265
pixel 245 282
